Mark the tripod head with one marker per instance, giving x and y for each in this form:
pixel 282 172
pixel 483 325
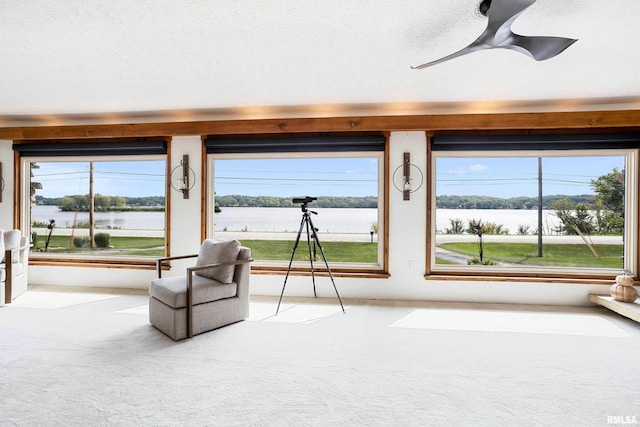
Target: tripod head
pixel 305 201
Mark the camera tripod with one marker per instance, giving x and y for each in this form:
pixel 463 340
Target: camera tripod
pixel 307 224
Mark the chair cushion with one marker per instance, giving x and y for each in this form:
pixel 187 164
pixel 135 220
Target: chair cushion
pixel 173 290
pixel 11 241
pixel 212 252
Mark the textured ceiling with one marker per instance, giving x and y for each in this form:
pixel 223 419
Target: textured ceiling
pixel 98 60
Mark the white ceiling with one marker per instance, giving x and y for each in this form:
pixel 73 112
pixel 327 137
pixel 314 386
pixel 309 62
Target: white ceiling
pixel 99 60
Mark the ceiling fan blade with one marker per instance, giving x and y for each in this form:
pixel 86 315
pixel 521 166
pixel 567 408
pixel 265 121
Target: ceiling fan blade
pixel 498 34
pixel 505 11
pixel 539 48
pixel 474 47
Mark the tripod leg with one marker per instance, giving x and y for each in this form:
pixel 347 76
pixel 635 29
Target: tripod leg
pixel 293 252
pixel 313 275
pixel 315 236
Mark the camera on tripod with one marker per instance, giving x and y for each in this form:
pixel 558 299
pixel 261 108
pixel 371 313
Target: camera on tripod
pixel 304 200
pixel 312 234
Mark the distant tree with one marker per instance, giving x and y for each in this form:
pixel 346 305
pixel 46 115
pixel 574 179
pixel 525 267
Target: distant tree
pixel 74 203
pixel 118 201
pixel 102 202
pixel 604 216
pixel 573 216
pixel 67 204
pixel 609 190
pixel 608 222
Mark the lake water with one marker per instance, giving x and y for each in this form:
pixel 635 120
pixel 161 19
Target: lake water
pixel 123 220
pixel 328 220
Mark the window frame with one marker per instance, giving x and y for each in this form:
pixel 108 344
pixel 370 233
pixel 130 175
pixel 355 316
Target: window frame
pixel 84 259
pixel 538 274
pixel 338 269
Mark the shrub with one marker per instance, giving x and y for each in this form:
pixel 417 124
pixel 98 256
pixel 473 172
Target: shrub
pixel 102 240
pixel 457 226
pixel 476 261
pixel 81 241
pixel 493 228
pixel 474 226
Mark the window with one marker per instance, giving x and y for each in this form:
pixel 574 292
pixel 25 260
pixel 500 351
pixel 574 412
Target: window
pixel 533 213
pixel 123 196
pixel 251 199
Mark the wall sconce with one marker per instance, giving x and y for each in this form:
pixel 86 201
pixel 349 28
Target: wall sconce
pixel 183 178
pixel 406 177
pixel 1 183
pixel 406 184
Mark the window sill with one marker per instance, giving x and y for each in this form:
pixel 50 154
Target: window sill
pixel 568 280
pixel 320 272
pixel 133 264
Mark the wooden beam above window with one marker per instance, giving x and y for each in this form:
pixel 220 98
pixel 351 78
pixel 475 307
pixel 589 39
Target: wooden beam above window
pixel 622 119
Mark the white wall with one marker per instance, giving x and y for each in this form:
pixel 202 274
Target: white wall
pixel 407 243
pixel 6 207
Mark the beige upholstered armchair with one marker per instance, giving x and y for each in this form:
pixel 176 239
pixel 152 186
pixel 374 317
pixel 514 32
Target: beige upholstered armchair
pixel 14 263
pixel 212 294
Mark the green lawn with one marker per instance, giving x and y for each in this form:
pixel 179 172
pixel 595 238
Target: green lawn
pixel 260 249
pixel 142 246
pixel 562 255
pixel 334 251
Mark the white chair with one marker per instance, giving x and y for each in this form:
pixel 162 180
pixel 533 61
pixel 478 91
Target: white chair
pixel 14 265
pixel 210 295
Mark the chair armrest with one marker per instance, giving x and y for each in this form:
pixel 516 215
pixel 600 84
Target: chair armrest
pixel 8 253
pixel 159 261
pixel 191 270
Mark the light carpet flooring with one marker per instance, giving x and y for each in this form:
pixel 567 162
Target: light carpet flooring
pixel 82 358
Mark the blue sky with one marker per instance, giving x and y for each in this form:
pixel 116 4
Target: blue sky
pixel 129 179
pixel 257 177
pixel 354 177
pixel 512 177
pixel 499 177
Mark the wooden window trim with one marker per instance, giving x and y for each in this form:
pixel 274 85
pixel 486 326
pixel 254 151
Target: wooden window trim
pixel 381 272
pixel 593 277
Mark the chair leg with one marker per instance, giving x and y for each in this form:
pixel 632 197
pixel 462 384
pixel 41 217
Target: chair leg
pixel 9 273
pixel 189 305
pixel 7 292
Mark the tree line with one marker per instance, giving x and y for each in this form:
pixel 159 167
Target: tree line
pixel 490 202
pixel 102 202
pixel 236 200
pixel 117 203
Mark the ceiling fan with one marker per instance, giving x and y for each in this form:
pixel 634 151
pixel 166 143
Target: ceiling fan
pixel 498 34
